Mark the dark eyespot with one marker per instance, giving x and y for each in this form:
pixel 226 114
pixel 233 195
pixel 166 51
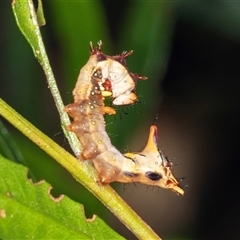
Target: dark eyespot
pixel 130 174
pixel 153 176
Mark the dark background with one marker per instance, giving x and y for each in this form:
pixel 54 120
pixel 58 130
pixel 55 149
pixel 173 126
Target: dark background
pixel 190 53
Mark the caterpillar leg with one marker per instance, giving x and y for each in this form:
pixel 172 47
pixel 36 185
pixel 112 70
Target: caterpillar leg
pixel 109 110
pixel 125 99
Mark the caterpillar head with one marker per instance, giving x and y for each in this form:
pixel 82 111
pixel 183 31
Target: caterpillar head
pixel 150 167
pixel 117 81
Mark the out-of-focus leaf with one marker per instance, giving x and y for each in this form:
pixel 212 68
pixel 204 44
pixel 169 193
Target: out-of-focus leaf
pixel 27 210
pixel 147 29
pixel 8 147
pixel 220 16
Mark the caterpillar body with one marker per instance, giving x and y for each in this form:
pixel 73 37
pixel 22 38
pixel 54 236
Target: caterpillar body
pixel 148 167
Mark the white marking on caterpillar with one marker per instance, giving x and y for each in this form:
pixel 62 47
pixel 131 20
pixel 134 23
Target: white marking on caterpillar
pixel 116 81
pixel 148 167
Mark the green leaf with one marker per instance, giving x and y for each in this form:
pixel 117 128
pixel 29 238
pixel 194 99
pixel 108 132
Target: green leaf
pixel 28 210
pixel 27 22
pixel 148 27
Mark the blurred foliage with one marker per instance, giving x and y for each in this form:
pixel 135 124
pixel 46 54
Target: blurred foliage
pixel 8 146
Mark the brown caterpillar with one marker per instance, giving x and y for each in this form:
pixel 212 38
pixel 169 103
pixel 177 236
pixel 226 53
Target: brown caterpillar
pixel 148 167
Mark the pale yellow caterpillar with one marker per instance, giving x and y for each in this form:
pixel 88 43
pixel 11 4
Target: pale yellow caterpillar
pixel 148 167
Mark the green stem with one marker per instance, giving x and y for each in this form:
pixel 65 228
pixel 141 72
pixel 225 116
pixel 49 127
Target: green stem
pixel 27 22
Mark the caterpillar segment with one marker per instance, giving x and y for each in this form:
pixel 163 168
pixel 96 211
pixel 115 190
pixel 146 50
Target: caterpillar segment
pixel 88 113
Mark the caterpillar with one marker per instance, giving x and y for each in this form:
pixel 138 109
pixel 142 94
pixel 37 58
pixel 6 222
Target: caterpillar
pixel 147 167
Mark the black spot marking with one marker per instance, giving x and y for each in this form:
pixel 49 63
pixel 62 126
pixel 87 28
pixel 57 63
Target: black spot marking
pixel 153 176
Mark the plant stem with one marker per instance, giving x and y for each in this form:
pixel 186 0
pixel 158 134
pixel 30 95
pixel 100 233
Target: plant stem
pixel 27 22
